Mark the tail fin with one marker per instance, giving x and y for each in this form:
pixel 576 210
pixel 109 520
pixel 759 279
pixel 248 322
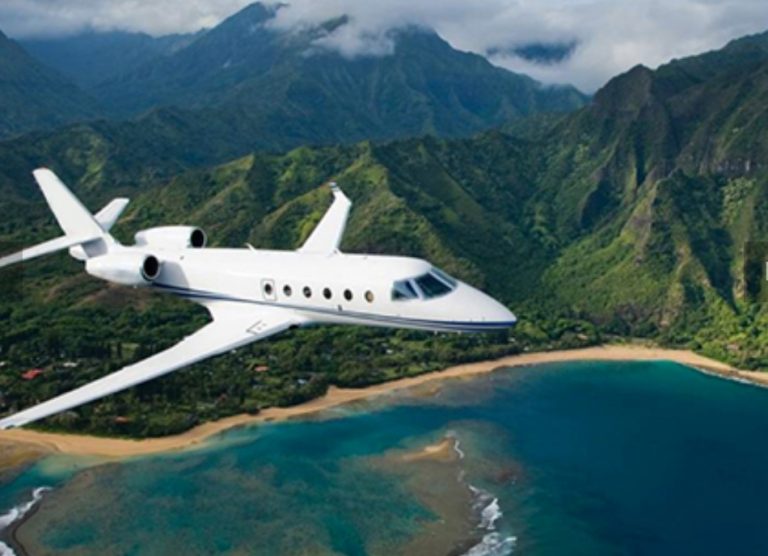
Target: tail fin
pixel 72 216
pixel 79 225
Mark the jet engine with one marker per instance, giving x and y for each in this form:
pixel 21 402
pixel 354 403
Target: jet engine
pixel 130 269
pixel 171 237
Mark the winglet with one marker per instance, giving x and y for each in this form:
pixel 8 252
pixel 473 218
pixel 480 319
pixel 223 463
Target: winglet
pixel 326 237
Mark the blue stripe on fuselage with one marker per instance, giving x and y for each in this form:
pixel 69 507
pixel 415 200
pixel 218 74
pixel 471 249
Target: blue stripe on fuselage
pixel 447 326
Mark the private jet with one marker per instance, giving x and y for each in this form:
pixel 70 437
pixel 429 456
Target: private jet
pixel 251 294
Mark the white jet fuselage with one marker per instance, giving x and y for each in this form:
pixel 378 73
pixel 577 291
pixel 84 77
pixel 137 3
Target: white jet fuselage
pixel 327 288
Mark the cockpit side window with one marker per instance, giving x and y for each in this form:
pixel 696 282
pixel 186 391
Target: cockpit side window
pixel 451 281
pixel 431 286
pixel 403 290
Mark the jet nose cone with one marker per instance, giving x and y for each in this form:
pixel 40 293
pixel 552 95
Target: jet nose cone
pixel 507 315
pixel 501 314
pixel 482 308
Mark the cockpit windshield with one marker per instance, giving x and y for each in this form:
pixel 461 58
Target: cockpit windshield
pixel 444 277
pixel 432 284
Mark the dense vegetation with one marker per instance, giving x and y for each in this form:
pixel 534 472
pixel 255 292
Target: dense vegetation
pixel 628 217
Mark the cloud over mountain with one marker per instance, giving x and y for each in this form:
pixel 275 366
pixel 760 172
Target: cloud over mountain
pixel 611 35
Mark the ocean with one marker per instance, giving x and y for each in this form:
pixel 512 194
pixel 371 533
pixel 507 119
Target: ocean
pixel 592 458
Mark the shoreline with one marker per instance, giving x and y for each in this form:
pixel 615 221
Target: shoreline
pixel 118 448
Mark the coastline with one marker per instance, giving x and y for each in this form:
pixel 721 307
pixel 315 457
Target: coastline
pixel 116 448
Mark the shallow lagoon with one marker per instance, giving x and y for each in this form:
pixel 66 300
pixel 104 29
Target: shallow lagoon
pixel 569 458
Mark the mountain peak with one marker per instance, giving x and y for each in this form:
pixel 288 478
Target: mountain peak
pixel 627 92
pixel 253 14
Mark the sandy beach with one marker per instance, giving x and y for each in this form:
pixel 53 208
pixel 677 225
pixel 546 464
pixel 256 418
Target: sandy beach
pixel 122 448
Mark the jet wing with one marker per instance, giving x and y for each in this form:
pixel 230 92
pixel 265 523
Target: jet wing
pixel 326 237
pixel 231 328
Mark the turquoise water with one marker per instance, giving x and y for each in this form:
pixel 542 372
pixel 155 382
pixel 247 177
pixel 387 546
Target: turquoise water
pixel 583 458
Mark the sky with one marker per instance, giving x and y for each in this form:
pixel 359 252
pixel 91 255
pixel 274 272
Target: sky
pixel 611 36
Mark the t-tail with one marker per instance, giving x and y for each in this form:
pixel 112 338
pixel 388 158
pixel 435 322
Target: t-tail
pixel 85 235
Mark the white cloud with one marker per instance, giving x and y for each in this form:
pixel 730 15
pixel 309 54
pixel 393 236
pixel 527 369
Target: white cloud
pixel 612 35
pixel 34 18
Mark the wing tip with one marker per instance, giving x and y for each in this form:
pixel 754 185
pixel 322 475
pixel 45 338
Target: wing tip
pixel 338 193
pixel 8 424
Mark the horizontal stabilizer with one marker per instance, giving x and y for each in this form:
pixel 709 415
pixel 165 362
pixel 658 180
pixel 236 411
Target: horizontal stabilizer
pixel 46 248
pixel 107 216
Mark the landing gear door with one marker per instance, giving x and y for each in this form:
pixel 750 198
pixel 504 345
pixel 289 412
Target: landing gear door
pixel 268 290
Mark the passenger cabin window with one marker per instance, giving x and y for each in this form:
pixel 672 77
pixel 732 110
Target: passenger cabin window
pixel 348 295
pixel 327 293
pixel 307 292
pixel 369 296
pixel 287 290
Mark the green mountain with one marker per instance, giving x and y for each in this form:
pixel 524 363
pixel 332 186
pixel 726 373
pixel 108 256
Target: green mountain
pixel 629 217
pixel 242 87
pixel 291 90
pixel 33 96
pixel 651 195
pixel 91 57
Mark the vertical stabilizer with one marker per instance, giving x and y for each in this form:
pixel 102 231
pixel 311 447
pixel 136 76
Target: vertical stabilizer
pixel 72 216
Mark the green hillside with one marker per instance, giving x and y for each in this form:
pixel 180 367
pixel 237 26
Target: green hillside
pixel 92 57
pixel 626 218
pixel 33 96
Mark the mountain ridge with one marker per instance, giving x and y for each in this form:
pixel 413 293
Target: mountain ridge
pixel 33 96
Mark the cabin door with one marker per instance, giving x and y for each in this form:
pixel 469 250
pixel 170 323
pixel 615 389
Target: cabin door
pixel 268 290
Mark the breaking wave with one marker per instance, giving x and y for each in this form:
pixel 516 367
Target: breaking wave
pixel 16 513
pixel 456 444
pixel 493 543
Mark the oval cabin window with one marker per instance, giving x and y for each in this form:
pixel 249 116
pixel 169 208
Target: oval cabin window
pixel 369 296
pixel 307 292
pixel 348 295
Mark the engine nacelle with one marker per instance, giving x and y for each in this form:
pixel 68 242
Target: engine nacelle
pixel 130 269
pixel 171 237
